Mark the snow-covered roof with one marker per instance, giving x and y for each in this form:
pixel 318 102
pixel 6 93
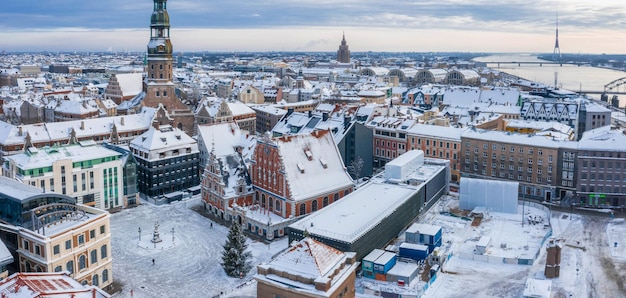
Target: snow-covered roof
pixel 45 157
pixel 324 166
pixel 516 138
pixel 55 131
pixel 17 190
pixel 5 255
pixel 603 139
pixel 354 215
pixel 440 132
pixel 163 139
pixel 48 285
pixel 224 138
pixel 130 83
pixel 308 258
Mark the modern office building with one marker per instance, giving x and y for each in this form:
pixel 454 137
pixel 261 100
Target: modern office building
pixel 167 161
pixel 86 171
pixel 375 213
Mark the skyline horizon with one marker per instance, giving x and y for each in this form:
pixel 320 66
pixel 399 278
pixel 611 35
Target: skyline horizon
pixel 282 26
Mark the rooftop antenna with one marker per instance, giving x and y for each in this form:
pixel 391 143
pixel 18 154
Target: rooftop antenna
pixel 556 55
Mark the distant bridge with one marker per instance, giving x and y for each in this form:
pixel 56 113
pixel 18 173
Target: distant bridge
pixel 599 92
pixel 540 63
pixel 610 86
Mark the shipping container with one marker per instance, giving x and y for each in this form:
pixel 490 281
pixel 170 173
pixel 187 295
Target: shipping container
pixel 414 251
pixel 367 265
pixel 384 262
pixel 381 276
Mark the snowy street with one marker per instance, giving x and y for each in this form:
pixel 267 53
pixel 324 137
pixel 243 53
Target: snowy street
pixel 188 265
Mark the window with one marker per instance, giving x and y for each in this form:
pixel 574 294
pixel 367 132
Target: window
pixel 102 229
pixel 94 280
pixel 103 252
pixel 325 202
pixel 92 234
pixel 82 262
pixel 105 275
pixel 302 209
pixel 81 239
pixel 69 266
pixel 314 206
pixel 94 256
pixel 56 249
pixel 68 244
pixel 58 268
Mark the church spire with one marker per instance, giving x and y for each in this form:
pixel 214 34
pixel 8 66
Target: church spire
pixel 160 47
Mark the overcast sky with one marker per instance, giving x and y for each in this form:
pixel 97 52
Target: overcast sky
pixel 585 26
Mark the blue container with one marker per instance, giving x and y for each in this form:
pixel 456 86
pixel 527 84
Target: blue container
pixel 414 251
pixel 384 262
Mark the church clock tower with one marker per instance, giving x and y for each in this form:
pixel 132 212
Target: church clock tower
pixel 159 87
pixel 160 46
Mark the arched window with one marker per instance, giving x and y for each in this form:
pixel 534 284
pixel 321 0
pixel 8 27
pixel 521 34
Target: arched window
pixel 277 205
pixel 160 76
pixel 263 200
pixel 94 256
pixel 325 202
pixel 105 275
pixel 103 251
pixel 84 282
pixel 302 209
pixel 345 193
pixel 314 206
pixel 27 265
pixel 94 280
pixel 69 266
pixel 271 203
pixel 82 262
pixel 58 269
pixel 336 197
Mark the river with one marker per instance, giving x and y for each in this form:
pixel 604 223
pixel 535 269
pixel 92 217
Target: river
pixel 570 77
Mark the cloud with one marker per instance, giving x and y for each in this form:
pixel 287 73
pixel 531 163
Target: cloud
pixel 488 17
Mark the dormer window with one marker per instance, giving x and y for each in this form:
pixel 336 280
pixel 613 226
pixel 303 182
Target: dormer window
pixel 160 48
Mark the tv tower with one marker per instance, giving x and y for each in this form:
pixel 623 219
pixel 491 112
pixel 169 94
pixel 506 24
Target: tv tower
pixel 556 55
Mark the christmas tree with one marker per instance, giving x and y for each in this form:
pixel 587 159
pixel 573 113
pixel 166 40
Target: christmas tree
pixel 235 258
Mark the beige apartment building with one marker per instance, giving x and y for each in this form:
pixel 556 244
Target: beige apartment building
pixel 51 233
pixel 90 173
pixel 442 142
pixel 531 160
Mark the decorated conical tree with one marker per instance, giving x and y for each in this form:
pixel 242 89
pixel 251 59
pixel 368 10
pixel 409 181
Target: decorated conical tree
pixel 235 258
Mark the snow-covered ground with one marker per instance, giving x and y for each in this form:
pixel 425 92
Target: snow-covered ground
pixel 591 265
pixel 188 265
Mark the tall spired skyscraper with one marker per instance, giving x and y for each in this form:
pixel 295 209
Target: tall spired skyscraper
pixel 159 87
pixel 343 54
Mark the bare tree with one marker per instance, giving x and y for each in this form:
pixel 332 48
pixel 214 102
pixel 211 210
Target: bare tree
pixel 355 167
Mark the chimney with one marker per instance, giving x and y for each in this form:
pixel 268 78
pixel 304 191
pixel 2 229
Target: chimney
pixel 82 125
pixel 122 120
pixel 155 124
pixel 19 131
pixel 324 116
